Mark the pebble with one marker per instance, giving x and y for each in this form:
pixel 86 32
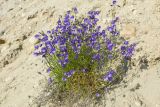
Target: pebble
pixel 127 105
pixel 157 105
pixel 128 31
pixel 2 33
pixel 4 48
pixel 30 43
pixel 138 103
pixel 33 40
pixel 32 15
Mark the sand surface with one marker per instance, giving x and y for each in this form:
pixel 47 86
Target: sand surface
pixel 22 74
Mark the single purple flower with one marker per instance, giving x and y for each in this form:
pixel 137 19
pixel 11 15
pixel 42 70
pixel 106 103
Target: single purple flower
pixel 48 70
pixel 37 36
pixel 72 17
pixel 50 80
pixel 109 76
pixel 49 32
pixel 114 21
pixel 115 33
pixel 114 2
pixel 97 12
pixel 123 48
pixel 44 50
pixel 75 10
pixel 98 95
pixel 36 53
pixel 59 22
pixel 110 29
pixel 68 12
pixel 84 70
pixel 95 21
pixel 52 50
pixel 63 48
pixel 96 57
pixel 69 74
pixel 64 79
pixel 110 46
pixel 103 32
pixel 110 56
pixel 36 47
pixel 87 21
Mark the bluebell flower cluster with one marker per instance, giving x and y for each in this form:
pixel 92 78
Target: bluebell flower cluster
pixel 112 29
pixel 81 45
pixel 127 50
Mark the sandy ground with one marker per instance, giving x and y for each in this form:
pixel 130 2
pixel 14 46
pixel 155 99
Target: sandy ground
pixel 21 74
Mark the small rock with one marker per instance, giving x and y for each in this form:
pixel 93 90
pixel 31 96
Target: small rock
pixel 24 37
pixel 135 87
pixel 157 105
pixel 144 63
pixel 10 9
pixel 32 16
pixel 127 105
pixel 2 33
pixel 39 73
pixel 30 45
pixel 23 15
pixel 138 103
pixel 128 31
pixel 33 40
pixel 124 95
pixel 5 63
pixel 5 48
pixel 2 41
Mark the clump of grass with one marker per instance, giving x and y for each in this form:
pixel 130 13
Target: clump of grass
pixel 83 58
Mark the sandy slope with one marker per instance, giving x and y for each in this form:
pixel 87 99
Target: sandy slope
pixel 21 73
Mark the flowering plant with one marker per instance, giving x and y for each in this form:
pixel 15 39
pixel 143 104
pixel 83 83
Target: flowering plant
pixel 82 57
